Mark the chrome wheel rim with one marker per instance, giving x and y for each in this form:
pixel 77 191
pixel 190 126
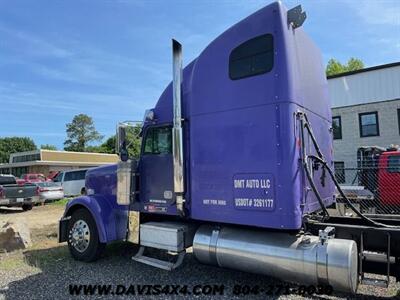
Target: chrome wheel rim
pixel 79 236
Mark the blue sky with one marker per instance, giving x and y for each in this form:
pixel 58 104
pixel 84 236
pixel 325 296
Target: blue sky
pixel 112 59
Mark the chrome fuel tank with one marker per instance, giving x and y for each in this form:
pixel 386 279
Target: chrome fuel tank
pixel 297 258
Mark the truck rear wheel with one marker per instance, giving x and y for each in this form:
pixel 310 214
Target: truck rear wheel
pixel 83 237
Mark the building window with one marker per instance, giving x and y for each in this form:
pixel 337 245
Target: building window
pixel 19 171
pixel 158 140
pixel 24 158
pixel 369 124
pixel 339 171
pixel 398 118
pixel 5 171
pixel 254 57
pixel 337 127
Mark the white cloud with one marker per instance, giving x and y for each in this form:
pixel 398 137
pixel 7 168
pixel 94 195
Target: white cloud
pixel 36 45
pixel 384 12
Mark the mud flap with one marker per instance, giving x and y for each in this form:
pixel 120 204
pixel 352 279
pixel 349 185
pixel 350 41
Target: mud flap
pixel 62 229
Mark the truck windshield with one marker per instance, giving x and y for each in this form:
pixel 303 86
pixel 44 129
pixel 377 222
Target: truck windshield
pixel 4 179
pixel 58 177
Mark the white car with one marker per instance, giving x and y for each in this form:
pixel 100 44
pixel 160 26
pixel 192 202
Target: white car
pixel 49 191
pixel 72 181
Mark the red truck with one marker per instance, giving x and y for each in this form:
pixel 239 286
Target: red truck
pixel 379 172
pixel 389 178
pixel 33 178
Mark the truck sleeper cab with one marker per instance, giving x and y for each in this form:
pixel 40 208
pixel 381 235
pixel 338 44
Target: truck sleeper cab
pixel 239 100
pixel 221 163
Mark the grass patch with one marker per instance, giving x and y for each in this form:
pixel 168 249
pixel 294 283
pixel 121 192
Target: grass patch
pixel 44 258
pixel 61 202
pixel 31 257
pixel 13 262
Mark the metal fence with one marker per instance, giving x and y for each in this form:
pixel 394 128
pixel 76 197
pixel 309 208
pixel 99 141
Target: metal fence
pixel 372 189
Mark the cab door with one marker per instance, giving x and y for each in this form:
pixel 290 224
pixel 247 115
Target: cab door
pixel 156 170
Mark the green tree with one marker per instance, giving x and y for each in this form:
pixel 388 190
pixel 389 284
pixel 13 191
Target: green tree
pixel 48 147
pixel 133 143
pixel 97 149
pixel 109 145
pixel 80 132
pixel 134 140
pixel 14 144
pixel 335 67
pixel 354 64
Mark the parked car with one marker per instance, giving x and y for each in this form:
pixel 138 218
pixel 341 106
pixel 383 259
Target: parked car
pixel 33 177
pixel 49 191
pixel 13 194
pixel 73 181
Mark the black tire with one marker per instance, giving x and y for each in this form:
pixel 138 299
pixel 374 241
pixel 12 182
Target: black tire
pixel 94 248
pixel 26 207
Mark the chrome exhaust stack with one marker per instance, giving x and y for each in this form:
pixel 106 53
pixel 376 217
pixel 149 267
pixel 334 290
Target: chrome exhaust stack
pixel 302 259
pixel 177 141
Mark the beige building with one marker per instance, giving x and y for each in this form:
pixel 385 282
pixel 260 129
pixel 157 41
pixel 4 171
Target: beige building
pixel 49 161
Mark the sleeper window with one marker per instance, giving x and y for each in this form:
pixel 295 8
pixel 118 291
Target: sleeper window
pixel 254 57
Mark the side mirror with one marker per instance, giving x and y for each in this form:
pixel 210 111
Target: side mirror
pixel 121 148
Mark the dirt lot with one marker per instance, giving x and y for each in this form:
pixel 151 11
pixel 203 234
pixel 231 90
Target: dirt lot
pixel 46 270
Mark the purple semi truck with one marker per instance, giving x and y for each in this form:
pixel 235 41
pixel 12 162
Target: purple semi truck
pixel 235 162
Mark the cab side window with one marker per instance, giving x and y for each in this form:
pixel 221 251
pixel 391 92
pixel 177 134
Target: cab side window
pixel 158 140
pixel 394 164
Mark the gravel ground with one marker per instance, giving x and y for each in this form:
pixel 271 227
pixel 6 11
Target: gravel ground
pixel 46 270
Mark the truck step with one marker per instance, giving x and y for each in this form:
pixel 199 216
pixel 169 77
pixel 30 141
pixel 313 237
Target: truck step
pixel 383 258
pixel 158 263
pixel 375 282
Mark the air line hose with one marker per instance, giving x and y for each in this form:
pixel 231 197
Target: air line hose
pixel 305 124
pixel 309 177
